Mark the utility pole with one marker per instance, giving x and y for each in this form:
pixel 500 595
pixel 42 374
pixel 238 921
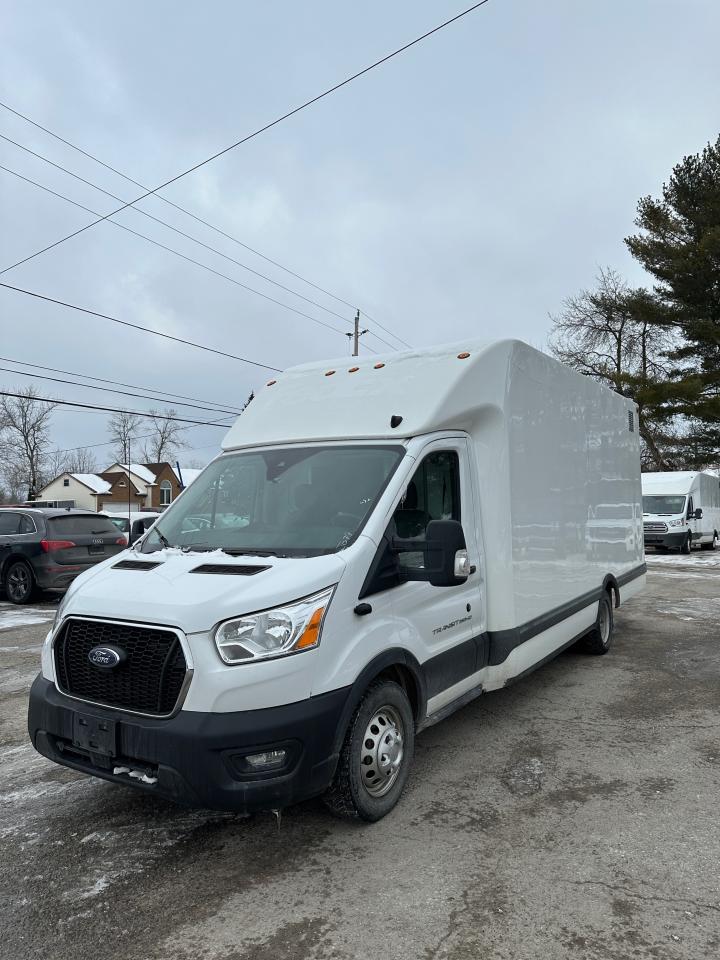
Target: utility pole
pixel 356 334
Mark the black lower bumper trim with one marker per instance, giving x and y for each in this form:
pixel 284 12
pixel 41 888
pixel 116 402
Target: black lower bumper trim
pixel 197 758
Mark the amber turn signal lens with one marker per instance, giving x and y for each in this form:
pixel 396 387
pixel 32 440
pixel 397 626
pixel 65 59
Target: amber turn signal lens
pixel 311 633
pixel 463 356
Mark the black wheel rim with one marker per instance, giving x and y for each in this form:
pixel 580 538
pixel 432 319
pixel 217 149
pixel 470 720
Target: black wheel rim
pixel 18 582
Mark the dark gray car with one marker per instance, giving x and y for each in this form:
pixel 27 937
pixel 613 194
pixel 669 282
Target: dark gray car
pixel 46 549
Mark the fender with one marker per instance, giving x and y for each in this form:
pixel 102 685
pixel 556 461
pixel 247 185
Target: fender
pixel 611 582
pixel 393 657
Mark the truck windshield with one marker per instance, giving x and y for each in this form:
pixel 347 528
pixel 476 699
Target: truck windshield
pixel 292 501
pixel 663 505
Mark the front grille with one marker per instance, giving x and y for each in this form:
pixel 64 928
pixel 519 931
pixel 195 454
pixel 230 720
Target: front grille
pixel 655 527
pixel 149 680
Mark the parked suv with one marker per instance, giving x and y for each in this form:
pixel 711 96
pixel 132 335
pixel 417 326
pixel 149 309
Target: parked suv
pixel 48 548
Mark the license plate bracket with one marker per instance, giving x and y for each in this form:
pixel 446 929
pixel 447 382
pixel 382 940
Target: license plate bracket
pixel 95 734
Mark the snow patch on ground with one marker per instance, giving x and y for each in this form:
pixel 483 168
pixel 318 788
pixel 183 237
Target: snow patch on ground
pixel 12 616
pixel 692 610
pixel 699 558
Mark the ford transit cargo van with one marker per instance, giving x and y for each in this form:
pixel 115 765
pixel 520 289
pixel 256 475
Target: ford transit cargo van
pixel 380 541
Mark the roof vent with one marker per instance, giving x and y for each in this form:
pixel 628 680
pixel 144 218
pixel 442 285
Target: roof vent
pixel 237 569
pixel 136 565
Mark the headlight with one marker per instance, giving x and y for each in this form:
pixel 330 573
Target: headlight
pixel 675 523
pixel 273 633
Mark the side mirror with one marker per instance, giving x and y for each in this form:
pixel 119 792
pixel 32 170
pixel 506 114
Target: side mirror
pixel 443 555
pixel 698 514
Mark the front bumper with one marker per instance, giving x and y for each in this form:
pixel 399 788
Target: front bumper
pixel 672 540
pixel 195 758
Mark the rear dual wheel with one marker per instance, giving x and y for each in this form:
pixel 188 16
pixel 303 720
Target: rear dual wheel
pixel 713 543
pixel 375 759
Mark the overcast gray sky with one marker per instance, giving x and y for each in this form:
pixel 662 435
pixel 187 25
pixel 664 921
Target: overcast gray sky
pixel 461 190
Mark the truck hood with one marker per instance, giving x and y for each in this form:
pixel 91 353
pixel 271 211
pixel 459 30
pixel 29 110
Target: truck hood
pixel 174 593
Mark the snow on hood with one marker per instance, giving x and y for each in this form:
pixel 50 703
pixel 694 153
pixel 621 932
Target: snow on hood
pixel 172 595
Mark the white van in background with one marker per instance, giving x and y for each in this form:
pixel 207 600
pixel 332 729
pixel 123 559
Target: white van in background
pixel 681 509
pixel 382 540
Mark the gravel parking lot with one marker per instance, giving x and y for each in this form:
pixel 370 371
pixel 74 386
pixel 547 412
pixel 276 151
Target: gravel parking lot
pixel 574 815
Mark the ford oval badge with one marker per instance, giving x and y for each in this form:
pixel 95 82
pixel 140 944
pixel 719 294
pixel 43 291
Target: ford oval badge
pixel 106 657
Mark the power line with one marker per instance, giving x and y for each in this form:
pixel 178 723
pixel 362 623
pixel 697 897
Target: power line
pixel 187 212
pixel 142 436
pixel 172 250
pixel 169 226
pixel 92 386
pixel 92 406
pixel 136 326
pixel 171 397
pixel 255 133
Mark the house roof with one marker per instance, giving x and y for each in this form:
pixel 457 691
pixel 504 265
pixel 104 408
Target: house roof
pixel 188 474
pixel 141 472
pixel 93 481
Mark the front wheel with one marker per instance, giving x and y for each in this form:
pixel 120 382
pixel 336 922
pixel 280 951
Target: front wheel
pixel 375 759
pixel 599 640
pixel 19 582
pixel 687 545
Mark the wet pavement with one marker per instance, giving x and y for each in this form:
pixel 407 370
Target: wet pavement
pixel 573 815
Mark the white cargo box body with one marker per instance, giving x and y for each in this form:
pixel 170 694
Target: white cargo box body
pixel 550 448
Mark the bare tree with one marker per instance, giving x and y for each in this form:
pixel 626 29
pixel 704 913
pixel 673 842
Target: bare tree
pixel 123 429
pixel 606 334
pixel 24 441
pixel 165 438
pixel 81 460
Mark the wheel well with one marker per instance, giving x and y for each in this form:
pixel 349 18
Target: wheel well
pixel 11 559
pixel 610 586
pixel 401 675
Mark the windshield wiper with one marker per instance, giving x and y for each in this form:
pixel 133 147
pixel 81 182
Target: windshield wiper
pixel 163 539
pixel 242 552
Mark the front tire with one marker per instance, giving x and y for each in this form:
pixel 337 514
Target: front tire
pixel 375 759
pixel 19 582
pixel 687 545
pixel 600 639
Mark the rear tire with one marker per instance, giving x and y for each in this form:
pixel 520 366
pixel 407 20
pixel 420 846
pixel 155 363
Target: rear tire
pixel 375 759
pixel 600 639
pixel 19 582
pixel 687 545
pixel 713 543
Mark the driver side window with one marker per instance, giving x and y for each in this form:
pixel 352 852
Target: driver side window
pixel 433 493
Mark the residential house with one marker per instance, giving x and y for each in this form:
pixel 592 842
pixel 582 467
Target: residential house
pixel 74 489
pixel 153 486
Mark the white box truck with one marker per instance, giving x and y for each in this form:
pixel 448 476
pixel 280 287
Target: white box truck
pixel 381 540
pixel 681 509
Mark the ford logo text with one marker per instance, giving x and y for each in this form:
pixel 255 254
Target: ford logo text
pixel 106 657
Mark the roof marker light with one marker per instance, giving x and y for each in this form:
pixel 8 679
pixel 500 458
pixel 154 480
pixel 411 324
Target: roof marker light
pixel 329 373
pixel 378 366
pixel 463 356
pixel 270 383
pixel 353 369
